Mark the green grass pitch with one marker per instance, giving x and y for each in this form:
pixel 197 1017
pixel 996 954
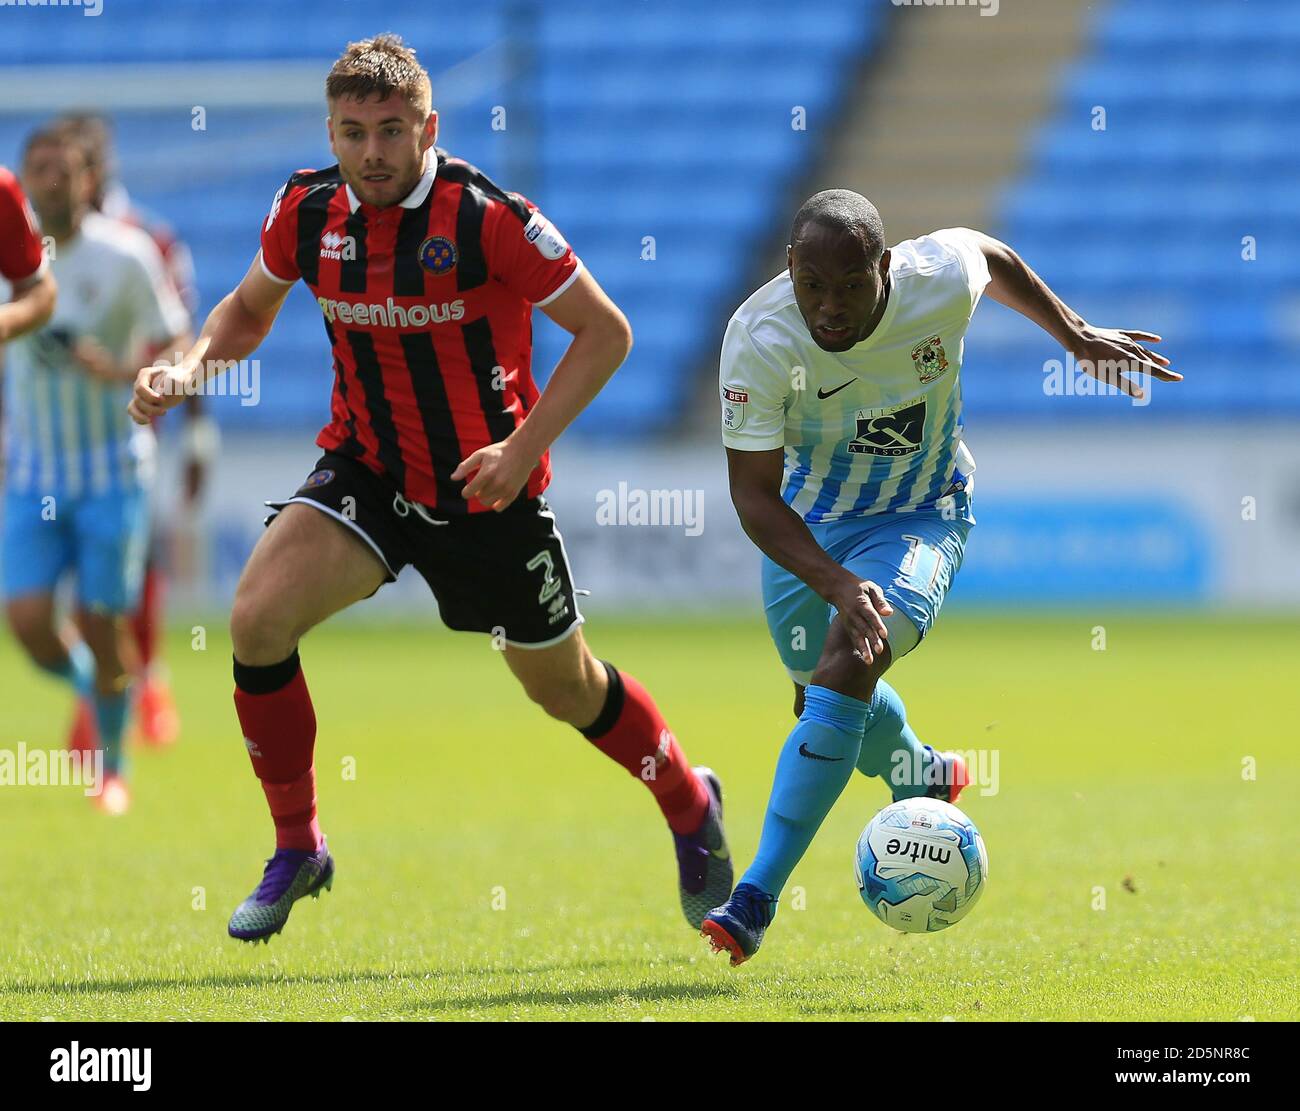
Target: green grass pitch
pixel 490 865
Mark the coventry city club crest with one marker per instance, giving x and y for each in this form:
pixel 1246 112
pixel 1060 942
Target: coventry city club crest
pixel 929 359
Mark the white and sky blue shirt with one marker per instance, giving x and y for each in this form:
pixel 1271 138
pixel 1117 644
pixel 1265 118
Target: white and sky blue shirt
pixel 65 432
pixel 877 428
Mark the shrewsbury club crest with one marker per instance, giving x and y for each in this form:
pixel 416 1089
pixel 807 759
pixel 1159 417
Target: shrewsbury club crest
pixel 929 359
pixel 438 254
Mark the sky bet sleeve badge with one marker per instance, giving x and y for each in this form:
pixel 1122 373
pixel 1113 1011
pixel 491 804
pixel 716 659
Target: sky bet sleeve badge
pixel 929 359
pixel 541 233
pixel 733 406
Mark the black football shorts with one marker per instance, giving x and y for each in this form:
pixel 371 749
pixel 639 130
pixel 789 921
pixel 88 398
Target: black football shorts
pixel 505 574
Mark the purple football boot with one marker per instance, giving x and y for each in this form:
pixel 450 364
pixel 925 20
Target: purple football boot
pixel 290 874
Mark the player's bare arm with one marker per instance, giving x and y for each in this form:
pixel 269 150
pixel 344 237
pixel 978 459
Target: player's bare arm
pixel 601 340
pixel 1111 355
pixel 201 440
pixel 233 330
pixel 98 362
pixel 781 534
pixel 31 307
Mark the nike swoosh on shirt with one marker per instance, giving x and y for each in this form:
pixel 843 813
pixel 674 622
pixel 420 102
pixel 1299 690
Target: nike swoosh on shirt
pixel 824 394
pixel 803 751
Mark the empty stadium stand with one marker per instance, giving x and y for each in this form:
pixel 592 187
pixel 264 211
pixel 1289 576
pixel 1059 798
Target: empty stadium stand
pixel 1151 221
pixel 667 155
pixel 661 157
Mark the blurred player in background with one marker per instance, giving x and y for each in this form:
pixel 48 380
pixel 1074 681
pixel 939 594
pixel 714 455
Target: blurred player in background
pixel 437 454
pixel 156 715
pixel 76 468
pixel 24 266
pixel 842 423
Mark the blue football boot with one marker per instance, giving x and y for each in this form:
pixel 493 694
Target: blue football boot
pixel 950 778
pixel 739 924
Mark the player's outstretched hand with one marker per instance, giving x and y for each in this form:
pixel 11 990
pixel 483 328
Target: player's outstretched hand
pixel 498 472
pixel 157 389
pixel 1112 355
pixel 863 608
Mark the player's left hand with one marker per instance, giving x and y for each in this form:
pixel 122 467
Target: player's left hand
pixel 98 363
pixel 1112 355
pixel 499 472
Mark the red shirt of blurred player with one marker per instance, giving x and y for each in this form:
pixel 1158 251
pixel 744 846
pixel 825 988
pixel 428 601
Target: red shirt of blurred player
pixel 21 256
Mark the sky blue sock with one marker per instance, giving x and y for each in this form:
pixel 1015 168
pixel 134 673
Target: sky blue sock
pixel 890 749
pixel 815 764
pixel 77 668
pixel 110 716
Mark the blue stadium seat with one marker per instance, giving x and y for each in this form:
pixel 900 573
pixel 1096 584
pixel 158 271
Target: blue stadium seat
pixel 1152 221
pixel 671 119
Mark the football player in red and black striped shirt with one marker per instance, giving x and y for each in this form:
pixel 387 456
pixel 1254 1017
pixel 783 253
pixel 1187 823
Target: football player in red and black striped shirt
pixel 436 455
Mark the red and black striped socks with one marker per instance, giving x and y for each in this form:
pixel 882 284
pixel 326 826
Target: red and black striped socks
pixel 632 732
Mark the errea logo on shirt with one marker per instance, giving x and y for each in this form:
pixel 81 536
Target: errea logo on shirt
pixel 339 247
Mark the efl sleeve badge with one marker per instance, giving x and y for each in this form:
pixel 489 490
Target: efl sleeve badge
pixel 733 406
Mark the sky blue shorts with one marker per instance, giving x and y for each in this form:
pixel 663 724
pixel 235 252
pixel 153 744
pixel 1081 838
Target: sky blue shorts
pixel 914 557
pixel 101 539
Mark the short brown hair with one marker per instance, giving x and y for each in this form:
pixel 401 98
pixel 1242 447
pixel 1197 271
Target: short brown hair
pixel 55 135
pixel 92 131
pixel 381 65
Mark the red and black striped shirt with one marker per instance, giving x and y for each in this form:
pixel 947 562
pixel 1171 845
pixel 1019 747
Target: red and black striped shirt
pixel 428 308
